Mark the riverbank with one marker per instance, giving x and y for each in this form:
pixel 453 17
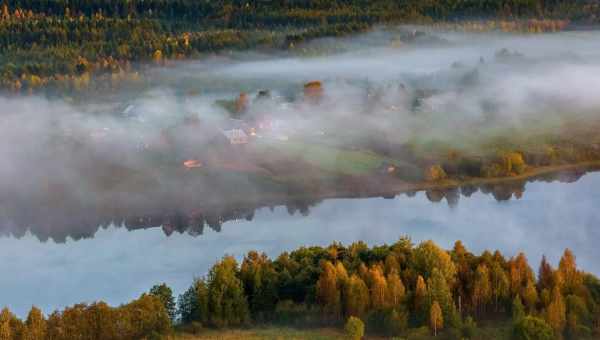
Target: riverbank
pixel 389 188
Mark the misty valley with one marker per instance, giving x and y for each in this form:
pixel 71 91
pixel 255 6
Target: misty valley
pixel 443 114
pixel 292 181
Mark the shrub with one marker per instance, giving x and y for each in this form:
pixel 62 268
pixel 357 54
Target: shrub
pixel 355 328
pixel 470 166
pixel 293 314
pixel 409 172
pixel 469 328
pixel 492 170
pixel 419 333
pixel 193 327
pixel 532 328
pixel 396 322
pixel 513 162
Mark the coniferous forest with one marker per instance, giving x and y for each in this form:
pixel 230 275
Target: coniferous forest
pixel 64 45
pixel 393 290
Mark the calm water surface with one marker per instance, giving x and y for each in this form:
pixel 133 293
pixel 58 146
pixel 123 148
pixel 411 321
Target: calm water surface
pixel 117 265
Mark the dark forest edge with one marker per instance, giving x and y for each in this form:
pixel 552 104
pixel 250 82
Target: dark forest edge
pixel 388 290
pixel 64 45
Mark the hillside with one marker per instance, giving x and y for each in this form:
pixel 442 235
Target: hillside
pixel 63 46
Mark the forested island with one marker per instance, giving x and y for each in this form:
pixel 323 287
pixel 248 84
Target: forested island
pixel 397 290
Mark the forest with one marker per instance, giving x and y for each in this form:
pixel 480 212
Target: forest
pixel 69 45
pixel 75 175
pixel 402 289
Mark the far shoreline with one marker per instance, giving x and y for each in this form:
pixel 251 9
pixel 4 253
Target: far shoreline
pixel 394 188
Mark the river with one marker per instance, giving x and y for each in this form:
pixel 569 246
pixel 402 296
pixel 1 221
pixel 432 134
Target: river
pixel 117 264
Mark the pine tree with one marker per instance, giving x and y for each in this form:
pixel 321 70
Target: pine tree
pixel 260 282
pixel 165 294
pixel 193 303
pixel 545 275
pixel 569 274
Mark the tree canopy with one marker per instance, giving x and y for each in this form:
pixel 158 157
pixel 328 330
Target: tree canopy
pixel 65 44
pixel 389 290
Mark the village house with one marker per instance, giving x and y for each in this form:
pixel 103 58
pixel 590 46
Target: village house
pixel 236 136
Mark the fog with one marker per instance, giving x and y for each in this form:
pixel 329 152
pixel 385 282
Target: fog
pixel 106 154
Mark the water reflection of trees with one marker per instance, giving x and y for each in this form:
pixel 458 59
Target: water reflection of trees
pixel 501 191
pixel 77 222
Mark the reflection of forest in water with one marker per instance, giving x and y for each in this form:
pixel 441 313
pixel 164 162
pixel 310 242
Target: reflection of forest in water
pixel 71 221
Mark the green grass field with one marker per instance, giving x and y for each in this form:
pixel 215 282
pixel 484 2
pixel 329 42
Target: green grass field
pixel 486 331
pixel 329 158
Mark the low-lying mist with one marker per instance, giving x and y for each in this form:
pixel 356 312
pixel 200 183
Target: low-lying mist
pixel 63 160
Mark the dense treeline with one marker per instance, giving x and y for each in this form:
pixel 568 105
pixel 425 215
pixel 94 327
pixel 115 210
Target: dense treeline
pixel 393 290
pixel 237 12
pixel 396 288
pixel 143 318
pixel 63 44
